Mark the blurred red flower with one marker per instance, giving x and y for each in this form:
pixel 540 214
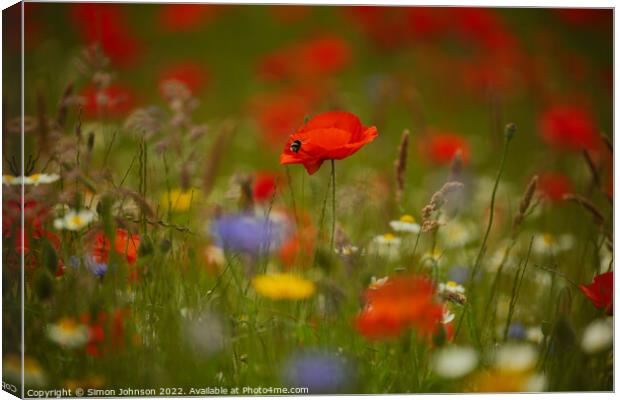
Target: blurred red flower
pixel 441 147
pixel 190 73
pixel 279 114
pixel 297 250
pixel 35 215
pixel 586 17
pixel 323 56
pixel 569 128
pixel 400 303
pixel 554 185
pixel 264 186
pixel 601 291
pixel 102 326
pixel 381 26
pixel 314 58
pixel 186 17
pixel 106 24
pixel 112 101
pixel 124 244
pixel 331 135
pixel 484 28
pixel 290 14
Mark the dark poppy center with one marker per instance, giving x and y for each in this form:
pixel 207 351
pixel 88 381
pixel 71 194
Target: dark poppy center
pixel 296 146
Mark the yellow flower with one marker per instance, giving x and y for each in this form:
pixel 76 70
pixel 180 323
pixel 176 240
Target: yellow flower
pixel 179 200
pixel 283 286
pixel 34 375
pixel 503 381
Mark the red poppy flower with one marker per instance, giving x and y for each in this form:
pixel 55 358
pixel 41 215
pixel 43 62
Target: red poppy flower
pixel 191 74
pixel 386 27
pixel 554 186
pixel 569 128
pixel 314 58
pixel 601 291
pixel 186 17
pixel 441 147
pixel 106 25
pixel 323 56
pixel 484 28
pixel 124 244
pixel 264 186
pixel 331 135
pixel 114 101
pixel 401 302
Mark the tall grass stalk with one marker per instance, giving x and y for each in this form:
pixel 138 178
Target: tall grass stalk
pixel 509 133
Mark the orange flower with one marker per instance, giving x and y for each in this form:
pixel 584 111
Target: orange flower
pixel 124 243
pixel 332 135
pixel 399 303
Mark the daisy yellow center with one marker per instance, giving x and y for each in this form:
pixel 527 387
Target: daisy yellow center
pixel 407 218
pixel 9 178
pixel 452 284
pixel 67 325
pixel 76 220
pixel 548 239
pixel 35 177
pixel 389 236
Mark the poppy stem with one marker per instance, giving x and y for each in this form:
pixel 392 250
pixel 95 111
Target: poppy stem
pixel 333 204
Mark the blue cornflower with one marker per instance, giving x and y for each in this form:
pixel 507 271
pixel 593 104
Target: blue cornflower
pixel 319 371
pixel 247 233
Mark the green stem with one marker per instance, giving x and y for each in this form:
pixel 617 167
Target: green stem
pixel 333 205
pixel 508 135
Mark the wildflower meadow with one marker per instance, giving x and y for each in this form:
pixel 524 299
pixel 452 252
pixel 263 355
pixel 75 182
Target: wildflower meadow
pixel 262 200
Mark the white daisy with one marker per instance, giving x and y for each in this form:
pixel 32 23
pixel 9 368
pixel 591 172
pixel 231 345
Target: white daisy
pixel 451 287
pixel 75 220
pixel 456 234
pixel 387 245
pixel 68 333
pixel 36 179
pixel 34 375
pixel 534 334
pixel 516 357
pixel 454 362
pixel 346 250
pixel 547 243
pixel 377 283
pixel 598 336
pixel 11 180
pixel 406 223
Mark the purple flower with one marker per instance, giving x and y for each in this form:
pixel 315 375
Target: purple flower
pixel 458 274
pixel 516 331
pixel 246 233
pixel 319 371
pixel 97 269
